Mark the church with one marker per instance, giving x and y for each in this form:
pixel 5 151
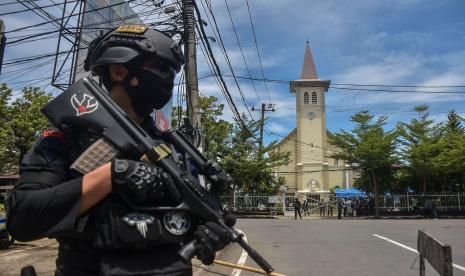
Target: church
pixel 310 168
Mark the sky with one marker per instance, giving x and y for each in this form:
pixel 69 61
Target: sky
pixel 364 42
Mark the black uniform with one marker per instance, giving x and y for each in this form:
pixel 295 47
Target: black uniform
pixel 339 208
pixel 45 203
pixel 297 206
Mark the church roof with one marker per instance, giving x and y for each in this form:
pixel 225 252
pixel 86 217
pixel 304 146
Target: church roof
pixel 308 68
pixel 287 136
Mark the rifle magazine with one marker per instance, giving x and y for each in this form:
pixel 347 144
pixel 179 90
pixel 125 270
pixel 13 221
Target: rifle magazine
pixel 99 153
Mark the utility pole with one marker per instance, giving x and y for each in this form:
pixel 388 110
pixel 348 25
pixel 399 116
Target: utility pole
pixel 190 68
pixel 265 108
pixel 2 43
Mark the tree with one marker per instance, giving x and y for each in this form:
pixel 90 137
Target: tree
pixel 454 123
pixel 419 140
pixel 21 123
pixel 5 96
pixel 215 130
pixel 450 159
pixel 251 166
pixel 236 148
pixel 369 148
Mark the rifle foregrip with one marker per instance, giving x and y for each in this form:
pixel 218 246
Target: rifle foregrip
pixel 187 252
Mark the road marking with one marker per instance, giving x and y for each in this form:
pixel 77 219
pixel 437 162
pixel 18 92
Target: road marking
pixel 242 259
pixel 412 249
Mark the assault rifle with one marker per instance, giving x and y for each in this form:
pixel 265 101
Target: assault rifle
pixel 85 105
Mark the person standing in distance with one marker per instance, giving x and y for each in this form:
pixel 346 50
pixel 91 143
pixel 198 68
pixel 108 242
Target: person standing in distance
pixel 297 206
pixel 96 228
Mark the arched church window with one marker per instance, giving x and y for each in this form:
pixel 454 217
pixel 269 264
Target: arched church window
pixel 314 98
pixel 306 98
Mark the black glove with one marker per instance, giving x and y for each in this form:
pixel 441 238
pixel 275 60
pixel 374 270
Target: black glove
pixel 211 237
pixel 141 182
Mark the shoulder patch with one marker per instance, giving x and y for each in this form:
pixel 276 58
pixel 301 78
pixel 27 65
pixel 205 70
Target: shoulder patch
pixel 54 133
pixel 50 150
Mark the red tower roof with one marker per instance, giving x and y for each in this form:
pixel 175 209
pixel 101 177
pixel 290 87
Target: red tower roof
pixel 308 68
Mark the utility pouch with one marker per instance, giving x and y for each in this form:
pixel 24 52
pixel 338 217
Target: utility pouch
pixel 163 260
pixel 135 229
pixel 119 226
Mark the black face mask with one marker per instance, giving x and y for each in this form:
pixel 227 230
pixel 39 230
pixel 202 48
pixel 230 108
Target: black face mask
pixel 152 92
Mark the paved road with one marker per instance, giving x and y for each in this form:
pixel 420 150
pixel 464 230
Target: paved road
pixel 303 247
pixel 344 247
pixel 41 254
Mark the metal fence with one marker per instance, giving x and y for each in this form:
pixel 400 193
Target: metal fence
pixel 272 204
pixel 257 203
pixel 399 204
pixel 415 204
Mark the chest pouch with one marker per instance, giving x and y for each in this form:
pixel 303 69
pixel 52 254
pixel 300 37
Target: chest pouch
pixel 118 226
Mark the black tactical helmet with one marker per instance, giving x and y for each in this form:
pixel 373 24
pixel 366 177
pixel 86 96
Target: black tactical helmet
pixel 130 42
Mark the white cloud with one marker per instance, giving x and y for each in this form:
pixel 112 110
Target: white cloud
pixel 277 128
pixel 401 68
pixel 392 68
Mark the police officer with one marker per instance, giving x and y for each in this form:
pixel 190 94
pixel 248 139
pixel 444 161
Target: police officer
pixel 297 206
pixel 339 207
pixel 98 233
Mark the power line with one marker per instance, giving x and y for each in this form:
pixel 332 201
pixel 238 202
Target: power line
pixel 301 142
pixel 228 61
pixel 373 90
pixel 52 19
pixel 35 8
pixel 26 81
pixel 76 14
pixel 398 91
pixel 10 3
pixel 27 27
pixel 242 52
pixel 389 111
pixel 386 85
pixel 206 56
pixel 27 37
pixel 30 36
pixel 17 61
pixel 231 103
pixel 258 52
pixel 210 65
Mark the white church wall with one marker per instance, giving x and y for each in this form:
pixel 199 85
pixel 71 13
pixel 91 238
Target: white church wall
pixel 288 170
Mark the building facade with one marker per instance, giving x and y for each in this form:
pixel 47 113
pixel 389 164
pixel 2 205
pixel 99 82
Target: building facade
pixel 310 168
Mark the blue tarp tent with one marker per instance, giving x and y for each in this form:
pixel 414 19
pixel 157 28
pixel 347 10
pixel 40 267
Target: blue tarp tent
pixel 350 193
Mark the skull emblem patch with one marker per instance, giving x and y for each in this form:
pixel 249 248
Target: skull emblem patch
pixel 140 221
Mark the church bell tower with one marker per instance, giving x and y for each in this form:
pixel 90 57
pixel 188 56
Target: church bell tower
pixel 311 147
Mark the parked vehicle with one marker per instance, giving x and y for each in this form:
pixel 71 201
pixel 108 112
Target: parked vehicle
pixel 5 239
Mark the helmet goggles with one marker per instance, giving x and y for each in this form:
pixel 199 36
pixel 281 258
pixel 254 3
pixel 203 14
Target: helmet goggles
pixel 160 69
